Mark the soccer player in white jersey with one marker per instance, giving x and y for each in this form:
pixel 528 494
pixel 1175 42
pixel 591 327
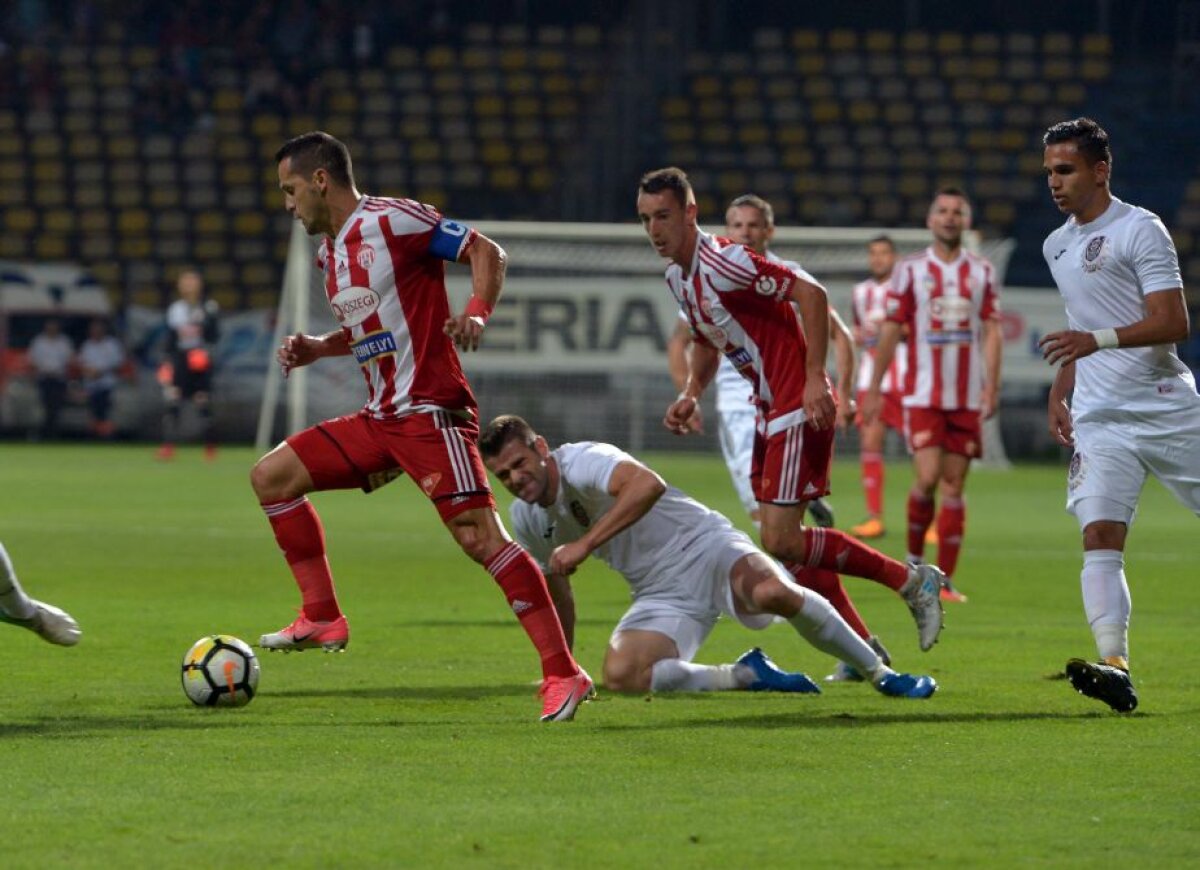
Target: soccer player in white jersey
pixel 684 563
pixel 947 299
pixel 1133 408
pixel 384 267
pixel 740 304
pixel 45 620
pixel 869 300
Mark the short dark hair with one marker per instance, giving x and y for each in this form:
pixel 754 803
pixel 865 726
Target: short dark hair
pixel 753 200
pixel 952 190
pixel 318 150
pixel 882 239
pixel 502 430
pixel 1089 137
pixel 671 178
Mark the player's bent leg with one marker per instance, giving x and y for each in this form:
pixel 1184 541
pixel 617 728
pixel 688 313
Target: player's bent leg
pixel 280 475
pixel 482 537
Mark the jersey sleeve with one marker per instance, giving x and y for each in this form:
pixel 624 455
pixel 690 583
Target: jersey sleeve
pixel 533 540
pixel 591 465
pixel 450 239
pixel 990 307
pixel 1153 256
pixel 901 304
pixel 737 269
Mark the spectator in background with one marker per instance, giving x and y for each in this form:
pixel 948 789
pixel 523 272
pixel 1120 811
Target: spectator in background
pixel 192 332
pixel 101 357
pixel 50 355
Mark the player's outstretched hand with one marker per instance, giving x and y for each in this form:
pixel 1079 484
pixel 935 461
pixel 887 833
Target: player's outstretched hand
pixel 1060 348
pixel 680 415
pixel 819 407
pixel 465 330
pixel 298 350
pixel 565 559
pixel 1059 416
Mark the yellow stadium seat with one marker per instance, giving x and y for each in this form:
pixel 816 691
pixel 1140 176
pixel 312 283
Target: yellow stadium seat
pixel 806 40
pixel 20 220
pixel 880 41
pixel 1096 44
pixel 843 40
pixel 134 247
pixel 1095 69
pixel 918 66
pixel 1057 44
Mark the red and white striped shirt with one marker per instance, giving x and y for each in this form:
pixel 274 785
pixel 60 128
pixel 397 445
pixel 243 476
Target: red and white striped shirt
pixel 870 311
pixel 385 280
pixel 944 305
pixel 738 302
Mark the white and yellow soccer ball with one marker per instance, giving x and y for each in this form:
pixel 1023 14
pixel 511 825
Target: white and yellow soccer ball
pixel 220 671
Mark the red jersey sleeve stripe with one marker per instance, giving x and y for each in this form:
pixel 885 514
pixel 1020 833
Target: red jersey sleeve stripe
pixel 721 266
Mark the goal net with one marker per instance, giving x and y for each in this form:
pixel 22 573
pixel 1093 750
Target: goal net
pixel 577 344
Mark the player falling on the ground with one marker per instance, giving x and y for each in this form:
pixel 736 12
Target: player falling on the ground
pixel 947 299
pixel 1134 410
pixel 684 563
pixel 740 304
pixel 383 263
pixel 750 221
pixel 45 620
pixel 192 331
pixel 869 299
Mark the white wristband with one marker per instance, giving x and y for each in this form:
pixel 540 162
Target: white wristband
pixel 1105 338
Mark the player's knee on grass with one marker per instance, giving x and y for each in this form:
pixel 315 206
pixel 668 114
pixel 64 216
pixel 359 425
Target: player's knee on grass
pixel 624 673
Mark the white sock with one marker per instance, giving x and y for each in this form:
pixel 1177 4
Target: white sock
pixel 13 599
pixel 1106 601
pixel 676 675
pixel 820 625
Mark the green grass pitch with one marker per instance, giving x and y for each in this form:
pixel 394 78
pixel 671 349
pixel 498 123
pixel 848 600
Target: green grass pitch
pixel 419 746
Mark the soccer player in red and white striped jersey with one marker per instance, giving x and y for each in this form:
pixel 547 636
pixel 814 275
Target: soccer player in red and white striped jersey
pixel 383 262
pixel 949 300
pixel 739 304
pixel 869 299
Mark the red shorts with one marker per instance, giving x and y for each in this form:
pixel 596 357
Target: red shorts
pixel 891 412
pixel 959 431
pixel 436 449
pixel 792 466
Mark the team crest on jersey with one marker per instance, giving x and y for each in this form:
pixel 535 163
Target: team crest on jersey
pixel 366 256
pixel 581 515
pixel 766 285
pixel 353 305
pixel 1093 254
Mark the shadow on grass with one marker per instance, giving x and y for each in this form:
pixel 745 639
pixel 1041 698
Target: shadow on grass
pixel 500 622
pixel 414 693
pixel 813 719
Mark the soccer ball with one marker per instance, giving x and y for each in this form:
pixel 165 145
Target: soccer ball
pixel 220 671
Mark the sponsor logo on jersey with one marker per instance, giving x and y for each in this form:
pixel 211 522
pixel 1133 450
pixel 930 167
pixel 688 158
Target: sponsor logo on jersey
pixel 354 305
pixel 341 266
pixel 374 345
pixel 949 336
pixel 581 515
pixel 1093 254
pixel 366 256
pixel 740 357
pixel 950 309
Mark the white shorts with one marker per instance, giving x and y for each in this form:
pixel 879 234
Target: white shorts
pixel 1112 461
pixel 737 446
pixel 687 609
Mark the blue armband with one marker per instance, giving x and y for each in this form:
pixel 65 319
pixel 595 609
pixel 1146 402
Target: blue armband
pixel 448 238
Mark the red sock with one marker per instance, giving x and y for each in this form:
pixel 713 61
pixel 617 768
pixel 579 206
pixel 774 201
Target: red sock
pixel 920 515
pixel 952 522
pixel 525 588
pixel 872 482
pixel 830 585
pixel 299 534
pixel 837 551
